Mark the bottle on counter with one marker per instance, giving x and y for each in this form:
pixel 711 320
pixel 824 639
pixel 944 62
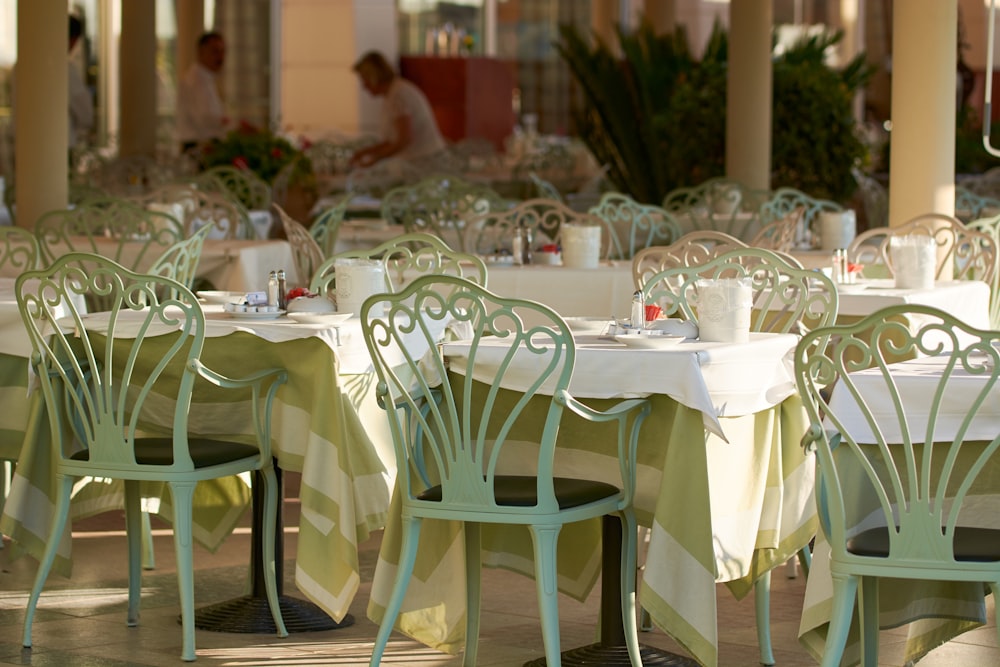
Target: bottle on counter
pixel 528 241
pixel 272 288
pixel 282 290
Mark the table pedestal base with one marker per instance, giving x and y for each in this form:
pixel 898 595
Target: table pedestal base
pixel 612 656
pixel 612 650
pixel 251 613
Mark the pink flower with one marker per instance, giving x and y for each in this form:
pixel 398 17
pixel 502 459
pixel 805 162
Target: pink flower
pixel 240 162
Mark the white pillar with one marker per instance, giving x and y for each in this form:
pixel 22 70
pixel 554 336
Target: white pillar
pixel 662 14
pixel 138 78
pixel 922 161
pixel 41 109
pixel 190 25
pixel 604 16
pixel 748 93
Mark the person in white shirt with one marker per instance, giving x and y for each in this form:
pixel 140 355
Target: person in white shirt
pixel 201 116
pixel 81 104
pixel 408 128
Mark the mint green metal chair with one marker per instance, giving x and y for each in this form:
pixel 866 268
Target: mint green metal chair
pixel 306 252
pixel 787 298
pixel 419 253
pixel 18 250
pixel 647 225
pixel 718 204
pixel 95 388
pixel 180 261
pixel 451 439
pixel 692 249
pixel 784 204
pixel 325 228
pixel 890 506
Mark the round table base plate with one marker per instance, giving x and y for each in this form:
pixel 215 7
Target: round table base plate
pixel 611 656
pixel 251 614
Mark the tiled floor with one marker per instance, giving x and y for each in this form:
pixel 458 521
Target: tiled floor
pixel 81 621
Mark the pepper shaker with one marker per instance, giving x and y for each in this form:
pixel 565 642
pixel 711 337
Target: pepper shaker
pixel 517 245
pixel 281 289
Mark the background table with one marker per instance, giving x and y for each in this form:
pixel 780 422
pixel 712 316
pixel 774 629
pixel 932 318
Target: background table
pixel 934 612
pixel 710 520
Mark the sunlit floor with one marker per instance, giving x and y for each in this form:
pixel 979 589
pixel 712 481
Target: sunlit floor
pixel 81 621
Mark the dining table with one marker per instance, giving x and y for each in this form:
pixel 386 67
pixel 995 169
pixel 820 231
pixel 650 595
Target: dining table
pixel 932 612
pixel 323 427
pixel 722 483
pixel 235 265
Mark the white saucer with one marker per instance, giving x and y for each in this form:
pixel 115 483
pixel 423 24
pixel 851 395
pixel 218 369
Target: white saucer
pixel 329 319
pixel 851 288
pixel 587 324
pixel 273 315
pixel 644 341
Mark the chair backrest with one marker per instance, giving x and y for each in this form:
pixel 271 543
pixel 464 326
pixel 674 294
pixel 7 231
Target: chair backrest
pixel 544 189
pixel 326 226
pixel 874 199
pixel 991 226
pixel 449 429
pixel 94 394
pixel 544 218
pixel 718 204
pixel 974 206
pixel 180 261
pixel 876 468
pixel 786 297
pixel 963 253
pixel 407 253
pixel 203 207
pixel 780 234
pixel 785 203
pixel 306 252
pixel 137 235
pixel 18 250
pixel 638 225
pixel 692 249
pixel 441 206
pixel 242 185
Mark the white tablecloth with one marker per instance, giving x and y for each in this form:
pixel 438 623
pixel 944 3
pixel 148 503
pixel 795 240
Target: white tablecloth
pixel 718 379
pixel 968 300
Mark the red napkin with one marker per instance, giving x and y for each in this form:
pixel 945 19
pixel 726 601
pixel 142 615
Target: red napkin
pixel 652 312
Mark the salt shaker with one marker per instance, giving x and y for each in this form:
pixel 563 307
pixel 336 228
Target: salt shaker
pixel 272 289
pixel 517 245
pixel 638 318
pixel 281 289
pixel 840 265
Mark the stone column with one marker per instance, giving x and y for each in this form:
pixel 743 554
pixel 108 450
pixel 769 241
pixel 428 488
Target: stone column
pixel 190 25
pixel 138 79
pixel 662 14
pixel 41 109
pixel 922 162
pixel 748 97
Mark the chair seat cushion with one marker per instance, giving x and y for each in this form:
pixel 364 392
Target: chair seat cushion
pixel 205 452
pixel 971 544
pixel 520 491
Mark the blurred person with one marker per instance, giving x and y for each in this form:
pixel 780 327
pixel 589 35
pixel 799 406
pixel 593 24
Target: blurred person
pixel 407 129
pixel 201 116
pixel 81 103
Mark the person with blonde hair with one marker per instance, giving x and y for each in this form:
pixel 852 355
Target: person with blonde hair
pixel 408 129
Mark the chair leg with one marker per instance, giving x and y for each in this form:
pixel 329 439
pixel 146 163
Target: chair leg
pixel 473 588
pixel 845 589
pixel 64 487
pixel 762 606
pixel 407 556
pixel 645 620
pixel 148 557
pixel 805 559
pixel 868 620
pixel 134 537
pixel 6 473
pixel 628 573
pixel 544 540
pixel 271 503
pixel 183 496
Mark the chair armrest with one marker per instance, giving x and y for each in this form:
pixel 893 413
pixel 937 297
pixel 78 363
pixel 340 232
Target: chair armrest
pixel 263 384
pixel 628 435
